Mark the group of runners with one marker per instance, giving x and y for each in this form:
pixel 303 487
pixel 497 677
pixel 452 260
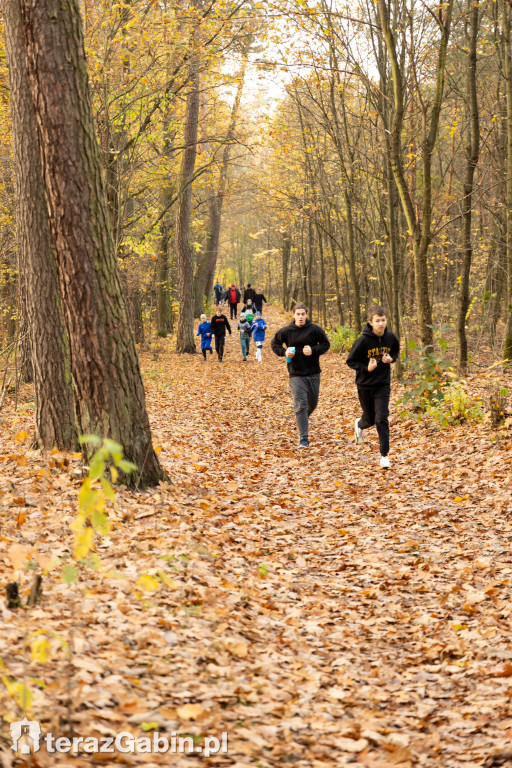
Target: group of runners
pixel 302 343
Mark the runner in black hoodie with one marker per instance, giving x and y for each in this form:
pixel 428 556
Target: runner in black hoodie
pixel 304 343
pixel 370 356
pixel 219 323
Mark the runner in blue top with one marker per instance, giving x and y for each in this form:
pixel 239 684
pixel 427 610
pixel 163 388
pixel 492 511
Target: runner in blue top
pixel 205 332
pixel 258 329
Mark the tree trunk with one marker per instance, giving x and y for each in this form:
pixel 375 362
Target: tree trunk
pixel 163 295
pixel 185 335
pixel 42 317
pixel 285 260
pixel 472 152
pixel 109 393
pixel 506 10
pixel 207 272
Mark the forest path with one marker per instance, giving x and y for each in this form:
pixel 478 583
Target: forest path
pixel 320 610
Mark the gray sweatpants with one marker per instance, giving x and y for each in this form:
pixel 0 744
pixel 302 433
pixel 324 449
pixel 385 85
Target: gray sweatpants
pixel 305 391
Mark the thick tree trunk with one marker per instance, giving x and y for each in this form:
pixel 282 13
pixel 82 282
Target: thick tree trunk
pixel 506 12
pixel 185 336
pixel 110 398
pixel 42 319
pixel 472 152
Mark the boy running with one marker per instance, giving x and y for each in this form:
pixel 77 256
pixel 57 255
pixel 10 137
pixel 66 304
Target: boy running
pixel 258 329
pixel 245 334
pixel 219 324
pixel 204 330
pixel 371 356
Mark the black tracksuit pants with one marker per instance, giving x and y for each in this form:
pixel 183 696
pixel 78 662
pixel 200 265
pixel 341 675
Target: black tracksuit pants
pixel 375 405
pixel 219 345
pixel 233 310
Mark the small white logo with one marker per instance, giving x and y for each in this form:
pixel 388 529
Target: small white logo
pixel 30 728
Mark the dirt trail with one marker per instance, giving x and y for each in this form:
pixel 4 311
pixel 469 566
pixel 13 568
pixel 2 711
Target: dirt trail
pixel 321 611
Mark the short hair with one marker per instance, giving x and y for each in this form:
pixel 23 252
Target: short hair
pixel 218 309
pixel 376 310
pixel 202 317
pixel 300 305
pixel 248 285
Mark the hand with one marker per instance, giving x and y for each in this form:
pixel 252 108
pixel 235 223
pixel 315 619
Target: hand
pixel 372 364
pixel 289 352
pixel 387 358
pixel 307 350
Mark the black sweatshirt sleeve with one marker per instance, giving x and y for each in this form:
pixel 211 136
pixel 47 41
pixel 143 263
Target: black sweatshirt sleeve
pixel 354 359
pixel 322 343
pixel 227 325
pixel 277 344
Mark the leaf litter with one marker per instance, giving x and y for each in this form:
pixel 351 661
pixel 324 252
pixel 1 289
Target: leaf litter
pixel 319 610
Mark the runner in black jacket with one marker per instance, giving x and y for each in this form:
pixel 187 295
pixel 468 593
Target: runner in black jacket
pixel 371 356
pixel 301 343
pixel 220 323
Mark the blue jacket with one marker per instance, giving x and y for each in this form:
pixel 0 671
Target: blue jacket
pixel 205 332
pixel 258 329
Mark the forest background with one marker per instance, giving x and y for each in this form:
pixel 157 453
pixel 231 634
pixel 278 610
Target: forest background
pixel 338 154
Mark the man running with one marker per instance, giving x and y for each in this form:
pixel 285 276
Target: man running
pixel 302 342
pixel 220 324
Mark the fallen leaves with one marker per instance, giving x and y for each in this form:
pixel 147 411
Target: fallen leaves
pixel 320 611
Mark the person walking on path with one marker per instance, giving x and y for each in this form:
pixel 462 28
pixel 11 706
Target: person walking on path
pixel 249 293
pixel 258 300
pixel 258 329
pixel 302 342
pixel 204 330
pixel 245 334
pixel 371 357
pixel 217 293
pixel 233 298
pixel 248 311
pixel 219 325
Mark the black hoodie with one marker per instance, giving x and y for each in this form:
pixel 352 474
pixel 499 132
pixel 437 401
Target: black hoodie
pixel 370 345
pixel 299 337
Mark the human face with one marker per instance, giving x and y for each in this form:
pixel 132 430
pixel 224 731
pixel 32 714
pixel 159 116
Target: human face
pixel 378 324
pixel 219 311
pixel 300 316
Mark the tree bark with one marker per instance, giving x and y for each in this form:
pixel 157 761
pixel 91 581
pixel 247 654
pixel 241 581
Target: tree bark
pixel 39 291
pixel 109 393
pixel 506 12
pixel 472 153
pixel 185 334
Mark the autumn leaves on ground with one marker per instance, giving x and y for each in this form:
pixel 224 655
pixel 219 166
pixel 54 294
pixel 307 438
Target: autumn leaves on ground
pixel 320 611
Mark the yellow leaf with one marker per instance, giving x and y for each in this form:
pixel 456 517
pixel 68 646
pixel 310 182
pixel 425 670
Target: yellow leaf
pixel 21 436
pixel 147 583
pixel 40 650
pixel 165 579
pixel 83 543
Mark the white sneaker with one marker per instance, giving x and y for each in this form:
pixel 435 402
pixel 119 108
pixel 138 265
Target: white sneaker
pixel 384 462
pixel 359 433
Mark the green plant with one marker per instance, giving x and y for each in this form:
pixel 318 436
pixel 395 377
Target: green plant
pixel 457 406
pixel 342 337
pixel 428 379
